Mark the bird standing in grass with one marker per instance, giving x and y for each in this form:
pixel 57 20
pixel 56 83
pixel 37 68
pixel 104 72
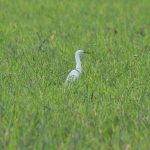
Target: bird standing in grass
pixel 74 74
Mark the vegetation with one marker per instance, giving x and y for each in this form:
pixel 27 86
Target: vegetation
pixel 109 106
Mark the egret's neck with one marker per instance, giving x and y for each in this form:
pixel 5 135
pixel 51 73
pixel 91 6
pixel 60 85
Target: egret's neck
pixel 78 63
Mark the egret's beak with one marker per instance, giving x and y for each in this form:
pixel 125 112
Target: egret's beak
pixel 86 52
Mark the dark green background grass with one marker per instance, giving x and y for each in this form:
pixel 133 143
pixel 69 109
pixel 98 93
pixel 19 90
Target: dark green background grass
pixel 108 107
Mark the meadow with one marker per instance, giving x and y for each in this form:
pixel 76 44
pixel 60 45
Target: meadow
pixel 108 108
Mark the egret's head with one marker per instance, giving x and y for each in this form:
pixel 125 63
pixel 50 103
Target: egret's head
pixel 80 52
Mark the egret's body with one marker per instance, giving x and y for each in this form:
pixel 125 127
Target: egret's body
pixel 74 74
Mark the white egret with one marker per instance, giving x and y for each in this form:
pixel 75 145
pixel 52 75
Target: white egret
pixel 74 74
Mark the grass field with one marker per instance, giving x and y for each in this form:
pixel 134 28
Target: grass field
pixel 109 106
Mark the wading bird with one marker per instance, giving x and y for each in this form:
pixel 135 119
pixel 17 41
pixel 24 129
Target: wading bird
pixel 74 74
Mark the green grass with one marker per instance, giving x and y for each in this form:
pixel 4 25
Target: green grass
pixel 109 106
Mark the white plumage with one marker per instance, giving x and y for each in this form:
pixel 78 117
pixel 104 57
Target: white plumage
pixel 74 74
